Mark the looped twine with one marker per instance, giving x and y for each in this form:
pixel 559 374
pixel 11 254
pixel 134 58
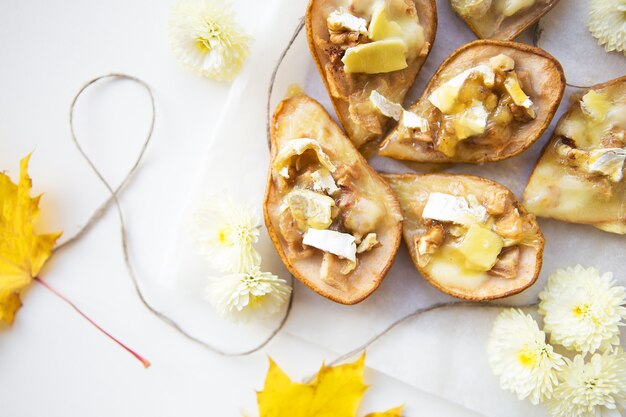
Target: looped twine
pixel 113 200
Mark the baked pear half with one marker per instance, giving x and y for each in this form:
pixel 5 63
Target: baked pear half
pixel 365 45
pixel 500 19
pixel 468 236
pixel 488 101
pixel 334 221
pixel 580 178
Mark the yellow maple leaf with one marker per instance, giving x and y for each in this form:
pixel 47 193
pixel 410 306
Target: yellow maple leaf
pixel 336 391
pixel 394 412
pixel 22 252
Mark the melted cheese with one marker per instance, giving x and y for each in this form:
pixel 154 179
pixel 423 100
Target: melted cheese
pixel 447 267
pixel 297 147
pixel 445 96
pixel 310 209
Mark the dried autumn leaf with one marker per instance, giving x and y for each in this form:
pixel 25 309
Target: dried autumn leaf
pixel 335 392
pixel 22 252
pixel 394 412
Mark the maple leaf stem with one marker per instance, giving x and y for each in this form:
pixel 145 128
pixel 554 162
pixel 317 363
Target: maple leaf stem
pixel 144 361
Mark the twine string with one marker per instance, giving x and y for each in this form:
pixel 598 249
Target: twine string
pixel 113 200
pixel 420 312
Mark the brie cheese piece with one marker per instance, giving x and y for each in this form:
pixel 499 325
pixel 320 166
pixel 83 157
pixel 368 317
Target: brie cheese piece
pixel 394 110
pixel 323 181
pixel 385 106
pixel 445 96
pixel 608 161
pixel 471 122
pixel 342 21
pixel 296 147
pixel 337 243
pixel 450 208
pixel 411 120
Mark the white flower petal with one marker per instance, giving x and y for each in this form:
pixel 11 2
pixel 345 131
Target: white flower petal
pixel 206 39
pixel 607 23
pixel 243 296
pixel 583 309
pixel 225 233
pixel 520 356
pixel 592 389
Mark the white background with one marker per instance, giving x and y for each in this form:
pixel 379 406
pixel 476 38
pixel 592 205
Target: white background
pixel 52 362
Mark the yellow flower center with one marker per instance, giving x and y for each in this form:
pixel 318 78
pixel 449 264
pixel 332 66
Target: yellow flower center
pixel 230 235
pixel 255 301
pixel 212 35
pixel 526 357
pixel 582 310
pixel 203 44
pixel 224 236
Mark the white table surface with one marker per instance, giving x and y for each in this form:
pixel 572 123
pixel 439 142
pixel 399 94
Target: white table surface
pixel 52 362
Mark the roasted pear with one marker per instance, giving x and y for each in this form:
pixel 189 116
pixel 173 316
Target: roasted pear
pixel 488 101
pixel 334 221
pixel 365 45
pixel 500 19
pixel 580 178
pixel 468 236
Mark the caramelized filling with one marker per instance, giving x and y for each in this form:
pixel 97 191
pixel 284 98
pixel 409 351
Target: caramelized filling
pixel 482 105
pixel 365 39
pixel 489 17
pixel 580 177
pixel 321 209
pixel 469 236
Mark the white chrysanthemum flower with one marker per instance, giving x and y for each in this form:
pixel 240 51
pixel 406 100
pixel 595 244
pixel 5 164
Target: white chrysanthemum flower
pixel 225 233
pixel 593 389
pixel 242 296
pixel 206 38
pixel 519 355
pixel 607 23
pixel 582 309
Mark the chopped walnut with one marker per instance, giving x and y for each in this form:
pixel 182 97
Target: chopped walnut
pixel 369 242
pixel 333 270
pixel 361 113
pixel 289 232
pixel 345 39
pixel 345 29
pixel 614 139
pixel 570 154
pixel 496 201
pixel 428 243
pixel 346 175
pixel 326 275
pixel 510 227
pixel 348 266
pixel 508 263
pixel 521 113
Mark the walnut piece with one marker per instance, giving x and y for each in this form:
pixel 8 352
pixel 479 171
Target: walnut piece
pixel 428 243
pixel 496 202
pixel 508 263
pixel 510 227
pixel 369 242
pixel 345 29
